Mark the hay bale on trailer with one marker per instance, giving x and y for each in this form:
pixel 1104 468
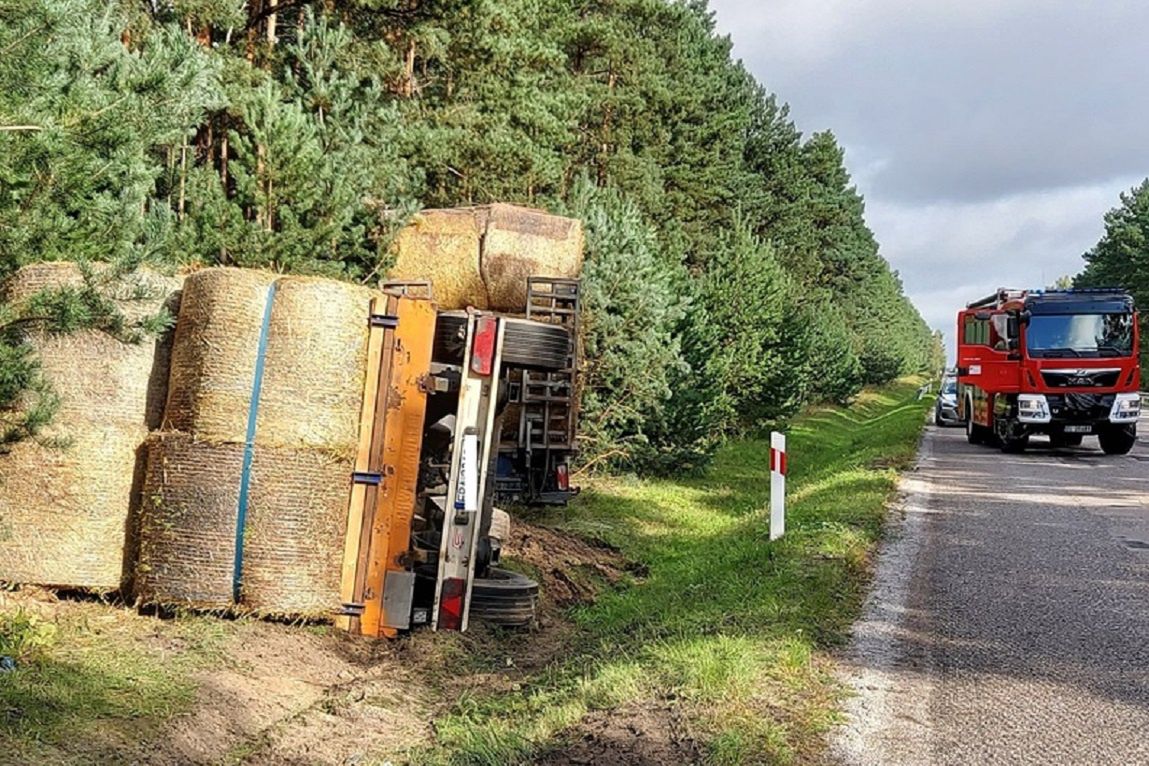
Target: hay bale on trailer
pixel 214 353
pixel 482 256
pixel 444 247
pixel 292 537
pixel 519 242
pixel 315 364
pixel 281 499
pixel 66 498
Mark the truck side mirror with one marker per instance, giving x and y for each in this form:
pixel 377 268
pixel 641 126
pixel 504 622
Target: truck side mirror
pixel 1013 330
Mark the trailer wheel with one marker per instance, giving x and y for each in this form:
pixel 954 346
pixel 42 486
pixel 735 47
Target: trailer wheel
pixel 527 344
pixel 504 598
pixel 1117 440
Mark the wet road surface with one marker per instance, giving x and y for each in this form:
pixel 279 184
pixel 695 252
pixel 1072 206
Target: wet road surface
pixel 1009 621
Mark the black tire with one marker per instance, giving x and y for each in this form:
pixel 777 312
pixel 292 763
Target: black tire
pixel 973 432
pixel 527 344
pixel 1117 440
pixel 504 598
pixel 1014 446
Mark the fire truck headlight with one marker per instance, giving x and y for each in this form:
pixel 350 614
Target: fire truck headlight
pixel 1126 408
pixel 1032 408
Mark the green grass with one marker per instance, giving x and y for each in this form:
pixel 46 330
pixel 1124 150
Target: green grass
pixel 732 627
pixel 89 676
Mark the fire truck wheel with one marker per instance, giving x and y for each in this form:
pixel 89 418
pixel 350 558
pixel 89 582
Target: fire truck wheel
pixel 1014 446
pixel 527 344
pixel 974 433
pixel 504 598
pixel 1117 440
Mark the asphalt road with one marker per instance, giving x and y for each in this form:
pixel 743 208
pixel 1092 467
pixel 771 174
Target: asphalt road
pixel 1009 622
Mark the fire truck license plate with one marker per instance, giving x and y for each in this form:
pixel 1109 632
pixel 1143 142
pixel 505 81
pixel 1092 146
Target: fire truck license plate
pixel 1079 429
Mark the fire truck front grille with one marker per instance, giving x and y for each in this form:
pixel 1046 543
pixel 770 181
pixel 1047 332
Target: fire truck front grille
pixel 1080 378
pixel 1080 407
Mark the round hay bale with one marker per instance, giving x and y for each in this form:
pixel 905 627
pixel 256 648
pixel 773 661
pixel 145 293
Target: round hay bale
pixel 214 353
pixel 138 295
pixel 187 522
pixel 297 519
pixel 97 376
pixel 100 378
pixel 65 499
pixel 315 365
pixel 37 277
pixel 293 536
pixel 519 243
pixel 444 246
pixel 64 509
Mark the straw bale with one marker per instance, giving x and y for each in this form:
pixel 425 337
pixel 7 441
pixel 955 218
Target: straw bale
pixel 519 243
pixel 64 508
pixel 96 376
pixel 187 522
pixel 444 246
pixel 315 365
pixel 214 353
pixel 296 517
pixel 138 294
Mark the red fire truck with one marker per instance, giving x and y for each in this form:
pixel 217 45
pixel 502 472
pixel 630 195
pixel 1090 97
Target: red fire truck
pixel 1057 362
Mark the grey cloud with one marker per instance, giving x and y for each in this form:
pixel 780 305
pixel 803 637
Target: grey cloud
pixel 988 136
pixel 1048 94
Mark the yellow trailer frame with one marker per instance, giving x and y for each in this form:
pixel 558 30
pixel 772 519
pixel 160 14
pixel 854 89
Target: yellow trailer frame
pixel 377 583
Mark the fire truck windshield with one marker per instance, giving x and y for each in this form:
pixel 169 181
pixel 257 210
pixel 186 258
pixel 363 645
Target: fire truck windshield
pixel 1079 335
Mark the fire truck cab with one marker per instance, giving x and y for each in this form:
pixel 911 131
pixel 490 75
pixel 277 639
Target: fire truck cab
pixel 1057 362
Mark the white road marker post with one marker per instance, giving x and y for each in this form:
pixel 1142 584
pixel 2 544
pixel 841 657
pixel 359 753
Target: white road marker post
pixel 777 485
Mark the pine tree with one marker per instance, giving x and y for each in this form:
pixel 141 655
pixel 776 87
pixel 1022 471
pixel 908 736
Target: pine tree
pixel 1121 257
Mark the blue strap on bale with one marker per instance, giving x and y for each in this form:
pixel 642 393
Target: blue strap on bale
pixel 249 447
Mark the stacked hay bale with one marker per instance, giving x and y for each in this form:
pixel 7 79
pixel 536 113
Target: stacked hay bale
pixel 248 482
pixel 482 256
pixel 66 497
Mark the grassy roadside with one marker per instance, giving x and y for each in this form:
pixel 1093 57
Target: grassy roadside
pixel 727 633
pixel 96 675
pixel 722 638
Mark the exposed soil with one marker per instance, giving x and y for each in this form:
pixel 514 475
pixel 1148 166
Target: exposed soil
pixel 289 694
pixel 650 735
pixel 573 570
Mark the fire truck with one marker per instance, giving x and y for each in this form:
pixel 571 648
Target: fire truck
pixel 1058 362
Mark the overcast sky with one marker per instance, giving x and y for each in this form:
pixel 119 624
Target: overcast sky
pixel 989 137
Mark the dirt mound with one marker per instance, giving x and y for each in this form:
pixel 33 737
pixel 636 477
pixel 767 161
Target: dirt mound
pixel 572 570
pixel 650 735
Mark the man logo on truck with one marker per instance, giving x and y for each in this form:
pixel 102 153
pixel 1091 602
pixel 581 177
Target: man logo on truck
pixel 1013 382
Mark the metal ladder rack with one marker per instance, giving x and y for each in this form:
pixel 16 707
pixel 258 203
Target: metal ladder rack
pixel 549 411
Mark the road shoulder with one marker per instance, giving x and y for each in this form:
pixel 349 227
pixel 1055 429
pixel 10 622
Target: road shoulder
pixel 887 712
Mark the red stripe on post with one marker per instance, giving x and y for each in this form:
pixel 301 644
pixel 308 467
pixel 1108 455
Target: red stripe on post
pixel 782 461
